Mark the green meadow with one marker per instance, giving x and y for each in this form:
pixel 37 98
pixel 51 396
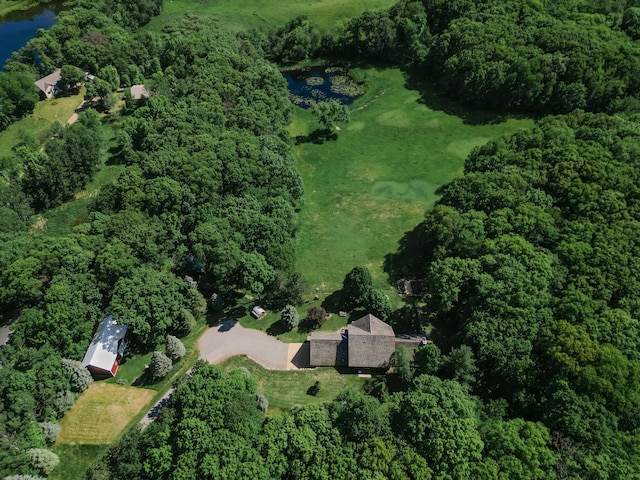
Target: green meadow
pixel 245 14
pixel 286 389
pixel 373 183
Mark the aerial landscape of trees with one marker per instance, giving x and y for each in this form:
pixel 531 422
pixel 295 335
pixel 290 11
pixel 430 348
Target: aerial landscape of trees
pixel 530 257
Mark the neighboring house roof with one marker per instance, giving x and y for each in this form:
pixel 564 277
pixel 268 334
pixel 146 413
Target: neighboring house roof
pixel 49 84
pixel 104 349
pixel 139 91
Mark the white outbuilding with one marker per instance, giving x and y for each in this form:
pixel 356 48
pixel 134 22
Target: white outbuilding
pixel 106 350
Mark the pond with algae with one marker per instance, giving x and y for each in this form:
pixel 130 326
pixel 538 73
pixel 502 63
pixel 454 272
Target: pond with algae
pixel 307 86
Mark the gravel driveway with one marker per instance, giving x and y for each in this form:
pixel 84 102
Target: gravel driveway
pixel 229 338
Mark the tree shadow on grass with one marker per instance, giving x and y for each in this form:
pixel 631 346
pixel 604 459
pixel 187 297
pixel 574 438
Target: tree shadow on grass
pixel 318 136
pixel 277 328
pixel 411 258
pixel 334 302
pixel 144 380
pixel 436 98
pixel 307 326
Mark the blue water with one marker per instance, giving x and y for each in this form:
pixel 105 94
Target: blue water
pixel 305 93
pixel 21 27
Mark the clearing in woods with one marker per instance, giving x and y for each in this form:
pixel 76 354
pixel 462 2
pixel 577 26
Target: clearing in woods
pixel 101 413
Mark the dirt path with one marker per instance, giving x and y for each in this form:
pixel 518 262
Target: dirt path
pixel 4 334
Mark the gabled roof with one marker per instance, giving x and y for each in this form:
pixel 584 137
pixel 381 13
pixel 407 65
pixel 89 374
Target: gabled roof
pixel 103 351
pixel 48 84
pixel 139 91
pixel 334 336
pixel 370 325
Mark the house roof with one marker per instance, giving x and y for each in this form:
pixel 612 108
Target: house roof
pixel 139 91
pixel 47 84
pixel 370 325
pixel 336 336
pixel 103 351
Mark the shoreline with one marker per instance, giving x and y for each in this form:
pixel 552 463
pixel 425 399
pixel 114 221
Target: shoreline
pixel 13 10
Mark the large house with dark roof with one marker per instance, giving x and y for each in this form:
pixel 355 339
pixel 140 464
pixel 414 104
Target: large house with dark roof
pixel 365 343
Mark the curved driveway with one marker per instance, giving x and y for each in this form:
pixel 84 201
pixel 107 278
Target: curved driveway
pixel 229 338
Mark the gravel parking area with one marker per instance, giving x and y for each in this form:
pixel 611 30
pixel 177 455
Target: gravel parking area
pixel 229 338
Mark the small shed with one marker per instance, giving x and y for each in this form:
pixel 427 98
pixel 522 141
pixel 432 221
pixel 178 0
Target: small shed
pixel 106 350
pixel 258 312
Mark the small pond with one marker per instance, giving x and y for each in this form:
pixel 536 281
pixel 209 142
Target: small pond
pixel 18 27
pixel 308 86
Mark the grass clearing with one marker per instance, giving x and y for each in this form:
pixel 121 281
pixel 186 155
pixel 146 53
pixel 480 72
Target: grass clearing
pixel 61 219
pixel 242 15
pixel 374 183
pixel 101 413
pixel 38 124
pixel 284 389
pixel 75 460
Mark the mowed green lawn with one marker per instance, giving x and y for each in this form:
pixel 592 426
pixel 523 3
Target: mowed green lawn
pixel 245 14
pixel 39 122
pixel 284 389
pixel 364 190
pixel 75 460
pixel 101 413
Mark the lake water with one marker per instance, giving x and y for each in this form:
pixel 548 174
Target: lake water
pixel 17 28
pixel 308 86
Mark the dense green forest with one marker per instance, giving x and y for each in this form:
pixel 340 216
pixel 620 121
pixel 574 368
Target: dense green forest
pixel 209 175
pixel 512 55
pixel 531 257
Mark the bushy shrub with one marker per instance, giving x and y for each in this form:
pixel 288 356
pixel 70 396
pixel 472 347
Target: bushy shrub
pixel 216 302
pixel 185 322
pixel 63 401
pixel 289 317
pixel 316 316
pixel 356 285
pixel 197 302
pixel 50 430
pixel 245 371
pixel 314 389
pixel 80 378
pixel 175 348
pixel 43 460
pixel 263 403
pixel 376 302
pixel 160 365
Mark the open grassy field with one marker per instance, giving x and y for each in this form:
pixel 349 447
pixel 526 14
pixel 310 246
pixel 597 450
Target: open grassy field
pixel 246 14
pixel 364 190
pixel 101 413
pixel 8 6
pixel 60 220
pixel 75 460
pixel 38 124
pixel 286 389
